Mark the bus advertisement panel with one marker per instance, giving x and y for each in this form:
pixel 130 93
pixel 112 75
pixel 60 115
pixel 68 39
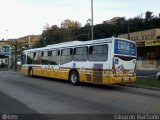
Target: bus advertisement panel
pixel 125 47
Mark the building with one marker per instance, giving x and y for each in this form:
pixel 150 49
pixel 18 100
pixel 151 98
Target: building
pixel 5 54
pixel 8 48
pixel 148 48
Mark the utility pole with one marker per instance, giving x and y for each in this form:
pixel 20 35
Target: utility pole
pixel 15 62
pixel 128 31
pixel 29 42
pixel 92 19
pixel 44 42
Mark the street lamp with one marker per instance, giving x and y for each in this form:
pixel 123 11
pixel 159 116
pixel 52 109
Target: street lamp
pixel 7 35
pixel 92 19
pixel 15 62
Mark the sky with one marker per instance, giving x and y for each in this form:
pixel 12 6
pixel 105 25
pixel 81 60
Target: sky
pixel 28 17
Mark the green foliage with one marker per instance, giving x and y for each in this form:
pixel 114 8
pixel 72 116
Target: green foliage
pixel 147 82
pixel 148 16
pixel 104 31
pixel 72 30
pixel 68 24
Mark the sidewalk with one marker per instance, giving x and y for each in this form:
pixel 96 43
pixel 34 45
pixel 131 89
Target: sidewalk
pixel 8 69
pixel 151 74
pixel 3 69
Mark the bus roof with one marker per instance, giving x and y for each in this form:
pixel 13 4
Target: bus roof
pixel 74 43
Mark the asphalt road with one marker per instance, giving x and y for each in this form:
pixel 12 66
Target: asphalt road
pixel 48 96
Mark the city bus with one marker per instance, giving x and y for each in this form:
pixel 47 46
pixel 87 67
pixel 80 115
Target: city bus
pixel 103 61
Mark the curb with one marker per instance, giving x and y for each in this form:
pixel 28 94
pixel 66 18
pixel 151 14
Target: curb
pixel 9 71
pixel 147 77
pixel 140 86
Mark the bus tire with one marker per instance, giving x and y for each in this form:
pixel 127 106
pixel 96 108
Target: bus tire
pixel 30 72
pixel 74 78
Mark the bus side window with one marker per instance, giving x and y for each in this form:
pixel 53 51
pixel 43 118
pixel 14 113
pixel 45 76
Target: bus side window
pixel 49 53
pixel 90 49
pixel 23 59
pixel 42 54
pixel 98 53
pixel 34 54
pixel 40 57
pixel 74 51
pixel 36 58
pixel 54 59
pixel 45 58
pixel 58 53
pixel 66 55
pixel 29 58
pixel 71 51
pixel 80 54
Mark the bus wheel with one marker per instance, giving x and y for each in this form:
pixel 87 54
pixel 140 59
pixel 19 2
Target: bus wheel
pixel 30 72
pixel 74 78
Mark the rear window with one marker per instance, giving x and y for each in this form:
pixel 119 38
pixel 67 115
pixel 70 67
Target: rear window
pixel 123 47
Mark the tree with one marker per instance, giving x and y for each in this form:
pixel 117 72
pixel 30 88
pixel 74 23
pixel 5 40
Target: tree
pixel 119 23
pixel 115 20
pixel 104 31
pixel 88 22
pixel 136 24
pixel 72 30
pixel 148 16
pixel 69 24
pixel 46 27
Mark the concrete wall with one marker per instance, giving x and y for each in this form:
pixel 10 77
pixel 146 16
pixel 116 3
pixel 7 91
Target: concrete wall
pixel 148 65
pixel 139 65
pixel 158 64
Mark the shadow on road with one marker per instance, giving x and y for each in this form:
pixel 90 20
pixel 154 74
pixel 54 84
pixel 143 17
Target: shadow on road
pixel 90 85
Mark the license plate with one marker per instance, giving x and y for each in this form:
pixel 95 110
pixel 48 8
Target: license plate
pixel 126 79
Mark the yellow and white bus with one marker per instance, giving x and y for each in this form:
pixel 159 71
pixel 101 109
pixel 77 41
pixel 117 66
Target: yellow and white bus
pixel 102 61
